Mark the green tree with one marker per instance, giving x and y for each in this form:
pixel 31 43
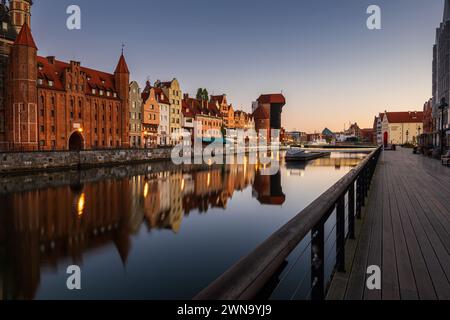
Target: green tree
pixel 200 94
pixel 205 95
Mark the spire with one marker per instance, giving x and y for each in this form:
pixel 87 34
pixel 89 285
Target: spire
pixel 122 65
pixel 446 11
pixel 25 37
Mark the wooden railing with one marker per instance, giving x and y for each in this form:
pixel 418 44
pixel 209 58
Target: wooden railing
pixel 254 273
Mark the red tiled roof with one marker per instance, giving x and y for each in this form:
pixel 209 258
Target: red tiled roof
pixel 219 99
pixel 405 117
pixel 160 96
pixel 187 110
pixel 198 107
pixel 25 37
pixel 272 98
pixel 122 66
pixel 55 72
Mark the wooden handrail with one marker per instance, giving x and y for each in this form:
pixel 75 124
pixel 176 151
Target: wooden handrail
pixel 250 274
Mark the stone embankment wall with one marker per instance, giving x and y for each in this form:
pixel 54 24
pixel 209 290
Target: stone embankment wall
pixel 24 162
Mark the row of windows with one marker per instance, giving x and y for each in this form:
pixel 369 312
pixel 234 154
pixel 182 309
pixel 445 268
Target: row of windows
pixel 42 143
pixel 208 132
pixel 52 115
pixel 135 116
pixel 102 93
pixel 135 127
pixel 80 104
pixel 53 130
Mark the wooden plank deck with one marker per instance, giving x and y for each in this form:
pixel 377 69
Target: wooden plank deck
pixel 405 230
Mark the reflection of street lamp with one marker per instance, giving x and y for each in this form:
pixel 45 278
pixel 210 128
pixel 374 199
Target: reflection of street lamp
pixel 442 107
pixel 145 138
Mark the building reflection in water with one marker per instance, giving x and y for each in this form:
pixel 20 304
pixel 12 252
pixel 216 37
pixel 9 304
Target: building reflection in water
pixel 42 227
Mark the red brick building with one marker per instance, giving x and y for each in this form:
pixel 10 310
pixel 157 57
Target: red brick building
pixel 54 105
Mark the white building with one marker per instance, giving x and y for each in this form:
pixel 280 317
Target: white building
pixel 164 118
pixel 401 127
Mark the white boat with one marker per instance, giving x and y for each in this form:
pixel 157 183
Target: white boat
pixel 319 142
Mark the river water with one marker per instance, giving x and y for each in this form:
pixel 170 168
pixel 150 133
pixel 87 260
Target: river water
pixel 152 231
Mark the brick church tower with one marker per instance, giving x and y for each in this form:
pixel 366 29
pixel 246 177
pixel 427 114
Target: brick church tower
pixel 10 25
pixel 21 96
pixel 122 81
pixel 20 13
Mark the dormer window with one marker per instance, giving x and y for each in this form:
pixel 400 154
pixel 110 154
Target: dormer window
pixel 50 83
pixel 115 95
pixel 4 26
pixel 101 92
pixel 88 78
pixel 40 82
pixel 108 93
pixel 103 81
pixel 94 91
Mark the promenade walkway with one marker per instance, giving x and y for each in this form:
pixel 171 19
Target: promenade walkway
pixel 405 230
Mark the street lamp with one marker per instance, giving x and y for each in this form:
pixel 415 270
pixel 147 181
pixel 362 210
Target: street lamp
pixel 442 107
pixel 419 138
pixel 407 135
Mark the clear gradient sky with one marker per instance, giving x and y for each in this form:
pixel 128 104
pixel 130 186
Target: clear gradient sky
pixel 330 67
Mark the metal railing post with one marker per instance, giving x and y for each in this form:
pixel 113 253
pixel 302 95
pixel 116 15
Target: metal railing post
pixel 340 234
pixel 358 198
pixel 351 211
pixel 317 262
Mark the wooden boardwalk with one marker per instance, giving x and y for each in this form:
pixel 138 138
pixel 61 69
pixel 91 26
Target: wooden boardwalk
pixel 405 230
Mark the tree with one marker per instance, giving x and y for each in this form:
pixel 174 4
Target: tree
pixel 199 94
pixel 202 94
pixel 205 95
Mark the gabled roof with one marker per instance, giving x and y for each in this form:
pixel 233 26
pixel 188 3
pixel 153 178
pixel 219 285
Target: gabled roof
pixel 405 117
pixel 327 132
pixel 198 107
pixel 160 96
pixel 25 38
pixel 219 99
pixel 55 72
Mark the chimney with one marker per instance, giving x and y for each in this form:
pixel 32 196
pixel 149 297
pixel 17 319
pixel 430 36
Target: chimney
pixel 186 96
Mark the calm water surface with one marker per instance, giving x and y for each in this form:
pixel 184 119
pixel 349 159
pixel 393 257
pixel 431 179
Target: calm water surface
pixel 146 232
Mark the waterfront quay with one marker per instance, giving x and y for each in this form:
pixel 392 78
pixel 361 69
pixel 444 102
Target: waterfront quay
pixel 405 230
pixel 390 213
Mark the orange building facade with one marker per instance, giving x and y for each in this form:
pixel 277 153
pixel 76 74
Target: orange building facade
pixel 150 118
